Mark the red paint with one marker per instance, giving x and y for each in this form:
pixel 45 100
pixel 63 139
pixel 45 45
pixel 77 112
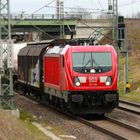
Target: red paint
pixel 61 76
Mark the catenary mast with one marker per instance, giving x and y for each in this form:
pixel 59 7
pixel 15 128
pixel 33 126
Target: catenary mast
pixel 113 12
pixel 6 58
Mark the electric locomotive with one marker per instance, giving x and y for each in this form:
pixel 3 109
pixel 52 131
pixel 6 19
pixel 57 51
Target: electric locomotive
pixel 81 78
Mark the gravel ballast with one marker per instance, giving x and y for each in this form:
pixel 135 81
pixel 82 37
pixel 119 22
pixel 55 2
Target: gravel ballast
pixel 55 119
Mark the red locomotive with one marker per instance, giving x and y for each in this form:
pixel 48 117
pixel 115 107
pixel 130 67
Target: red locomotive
pixel 81 78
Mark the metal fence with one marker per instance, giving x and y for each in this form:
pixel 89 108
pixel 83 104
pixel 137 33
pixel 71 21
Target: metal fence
pixel 87 15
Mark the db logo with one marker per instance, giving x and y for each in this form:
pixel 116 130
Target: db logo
pixel 92 79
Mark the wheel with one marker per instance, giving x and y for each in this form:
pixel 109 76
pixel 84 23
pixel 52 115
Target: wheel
pixel 101 115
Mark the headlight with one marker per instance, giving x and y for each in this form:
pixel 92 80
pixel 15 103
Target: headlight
pixel 108 81
pixel 92 71
pixel 77 81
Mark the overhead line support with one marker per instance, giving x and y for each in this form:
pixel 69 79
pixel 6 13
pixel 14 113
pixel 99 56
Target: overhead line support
pixel 7 100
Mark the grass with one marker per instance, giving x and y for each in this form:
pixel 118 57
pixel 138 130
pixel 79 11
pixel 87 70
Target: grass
pixel 132 96
pixel 132 42
pixel 12 128
pixel 54 129
pixel 26 116
pixel 133 76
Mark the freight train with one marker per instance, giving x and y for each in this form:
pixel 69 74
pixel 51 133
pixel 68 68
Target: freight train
pixel 75 75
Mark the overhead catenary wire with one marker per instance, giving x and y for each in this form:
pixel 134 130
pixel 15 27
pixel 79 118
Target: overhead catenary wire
pixel 41 30
pixel 47 5
pixel 90 9
pixel 39 9
pixel 100 4
pixel 31 22
pixel 95 30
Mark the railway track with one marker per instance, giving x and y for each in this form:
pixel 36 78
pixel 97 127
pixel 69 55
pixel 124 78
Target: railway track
pixel 129 107
pixel 108 126
pixel 113 128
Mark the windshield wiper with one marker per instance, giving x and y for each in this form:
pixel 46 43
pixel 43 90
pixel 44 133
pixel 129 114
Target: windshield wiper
pixel 93 61
pixel 89 61
pixel 83 59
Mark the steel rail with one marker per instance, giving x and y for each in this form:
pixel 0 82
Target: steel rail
pixel 130 127
pixel 105 131
pixel 134 107
pixel 129 103
pixel 79 119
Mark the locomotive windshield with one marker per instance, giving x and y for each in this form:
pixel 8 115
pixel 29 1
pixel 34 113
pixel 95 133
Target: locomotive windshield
pixel 85 61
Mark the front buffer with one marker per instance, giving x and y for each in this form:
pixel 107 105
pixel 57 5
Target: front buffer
pixel 92 102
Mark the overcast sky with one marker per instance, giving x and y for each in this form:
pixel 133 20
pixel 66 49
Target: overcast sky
pixel 126 7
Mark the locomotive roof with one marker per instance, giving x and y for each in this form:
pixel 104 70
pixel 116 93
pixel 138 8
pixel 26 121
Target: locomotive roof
pixel 77 41
pixel 35 48
pixel 52 42
pixel 32 50
pixel 92 48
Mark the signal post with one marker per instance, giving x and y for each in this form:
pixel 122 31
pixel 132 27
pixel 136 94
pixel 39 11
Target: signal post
pixel 121 44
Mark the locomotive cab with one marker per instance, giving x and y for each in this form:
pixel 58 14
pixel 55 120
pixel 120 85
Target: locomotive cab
pixel 94 73
pixel 84 77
